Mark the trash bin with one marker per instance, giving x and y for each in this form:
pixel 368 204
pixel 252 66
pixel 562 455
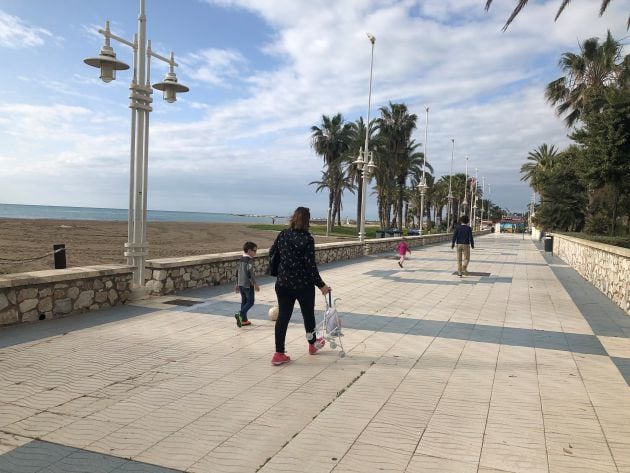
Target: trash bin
pixel 549 244
pixel 380 234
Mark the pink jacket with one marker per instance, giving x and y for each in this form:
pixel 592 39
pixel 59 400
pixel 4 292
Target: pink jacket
pixel 403 248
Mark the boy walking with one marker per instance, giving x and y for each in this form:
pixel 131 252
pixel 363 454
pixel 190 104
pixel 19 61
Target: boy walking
pixel 403 249
pixel 463 237
pixel 246 282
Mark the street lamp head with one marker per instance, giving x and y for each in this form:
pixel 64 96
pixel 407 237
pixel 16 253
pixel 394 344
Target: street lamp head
pixel 170 87
pixel 371 167
pixel 360 162
pixel 371 37
pixel 108 64
pixel 422 186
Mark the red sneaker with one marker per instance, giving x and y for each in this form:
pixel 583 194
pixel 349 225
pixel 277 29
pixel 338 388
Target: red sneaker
pixel 318 345
pixel 245 322
pixel 279 358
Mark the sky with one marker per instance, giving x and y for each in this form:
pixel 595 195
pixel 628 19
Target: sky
pixel 263 72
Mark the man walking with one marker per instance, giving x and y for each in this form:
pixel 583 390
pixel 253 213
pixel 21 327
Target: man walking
pixel 463 237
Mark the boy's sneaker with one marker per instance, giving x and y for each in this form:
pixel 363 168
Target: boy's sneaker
pixel 400 264
pixel 279 358
pixel 245 322
pixel 313 348
pixel 239 319
pixel 465 272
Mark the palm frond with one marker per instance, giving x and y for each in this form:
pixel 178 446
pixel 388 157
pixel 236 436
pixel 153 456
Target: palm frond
pixel 562 6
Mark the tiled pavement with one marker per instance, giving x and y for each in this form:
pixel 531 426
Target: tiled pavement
pixel 521 370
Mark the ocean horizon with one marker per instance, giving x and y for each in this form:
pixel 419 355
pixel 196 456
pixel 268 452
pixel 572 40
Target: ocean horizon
pixel 53 212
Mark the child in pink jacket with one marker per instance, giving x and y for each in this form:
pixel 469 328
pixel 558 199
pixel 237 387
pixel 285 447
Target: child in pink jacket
pixel 403 249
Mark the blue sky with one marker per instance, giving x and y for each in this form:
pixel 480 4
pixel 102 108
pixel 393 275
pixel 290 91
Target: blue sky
pixel 261 73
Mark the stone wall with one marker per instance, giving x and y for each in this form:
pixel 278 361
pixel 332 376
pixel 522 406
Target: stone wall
pixel 168 275
pixel 607 267
pixel 382 245
pixel 39 295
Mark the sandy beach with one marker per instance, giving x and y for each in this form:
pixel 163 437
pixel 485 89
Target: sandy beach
pixel 99 242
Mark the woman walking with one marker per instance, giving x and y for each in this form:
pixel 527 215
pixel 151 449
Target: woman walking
pixel 297 278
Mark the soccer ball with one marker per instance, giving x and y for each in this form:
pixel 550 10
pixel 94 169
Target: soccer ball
pixel 273 313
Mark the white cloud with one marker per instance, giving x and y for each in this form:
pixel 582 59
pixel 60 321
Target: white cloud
pixel 15 33
pixel 214 66
pixel 484 88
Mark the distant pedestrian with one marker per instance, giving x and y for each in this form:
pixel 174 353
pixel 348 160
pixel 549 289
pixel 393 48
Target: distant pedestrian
pixel 463 238
pixel 297 278
pixel 246 282
pixel 403 249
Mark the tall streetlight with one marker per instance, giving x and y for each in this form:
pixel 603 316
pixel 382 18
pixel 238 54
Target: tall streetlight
pixel 465 202
pixel 140 104
pixel 422 187
pixel 473 201
pixel 488 203
pixel 450 188
pixel 365 161
pixel 483 193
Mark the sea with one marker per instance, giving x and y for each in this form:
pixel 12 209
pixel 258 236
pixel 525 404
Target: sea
pixel 91 213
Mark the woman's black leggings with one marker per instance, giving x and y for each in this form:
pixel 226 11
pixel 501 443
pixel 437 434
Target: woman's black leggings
pixel 286 302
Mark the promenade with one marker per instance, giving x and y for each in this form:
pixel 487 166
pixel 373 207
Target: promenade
pixel 521 366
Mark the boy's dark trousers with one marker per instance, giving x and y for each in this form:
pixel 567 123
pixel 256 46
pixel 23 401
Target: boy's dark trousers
pixel 247 300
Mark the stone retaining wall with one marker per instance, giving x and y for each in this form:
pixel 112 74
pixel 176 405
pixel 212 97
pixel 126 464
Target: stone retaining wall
pixel 607 267
pixel 382 245
pixel 39 295
pixel 27 297
pixel 168 275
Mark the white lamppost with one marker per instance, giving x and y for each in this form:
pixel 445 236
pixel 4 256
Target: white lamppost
pixel 422 187
pixel 464 204
pixel 365 161
pixel 488 204
pixel 473 202
pixel 450 188
pixel 483 193
pixel 140 104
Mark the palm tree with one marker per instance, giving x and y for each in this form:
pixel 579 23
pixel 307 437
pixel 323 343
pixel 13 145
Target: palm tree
pixel 330 140
pixel 357 141
pixel 521 4
pixel 458 189
pixel 438 196
pixel 588 74
pixel 395 126
pixel 540 161
pixel 339 182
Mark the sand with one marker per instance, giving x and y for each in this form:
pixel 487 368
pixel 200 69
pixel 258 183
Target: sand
pixel 97 242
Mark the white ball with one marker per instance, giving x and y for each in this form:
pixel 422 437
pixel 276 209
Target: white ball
pixel 273 313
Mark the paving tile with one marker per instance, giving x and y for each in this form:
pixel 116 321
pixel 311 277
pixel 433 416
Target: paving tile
pixel 82 433
pixel 504 374
pixel 39 424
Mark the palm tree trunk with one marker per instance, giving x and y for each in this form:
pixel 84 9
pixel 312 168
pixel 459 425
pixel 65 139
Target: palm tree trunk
pixel 406 214
pixel 614 210
pixel 331 198
pixel 401 200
